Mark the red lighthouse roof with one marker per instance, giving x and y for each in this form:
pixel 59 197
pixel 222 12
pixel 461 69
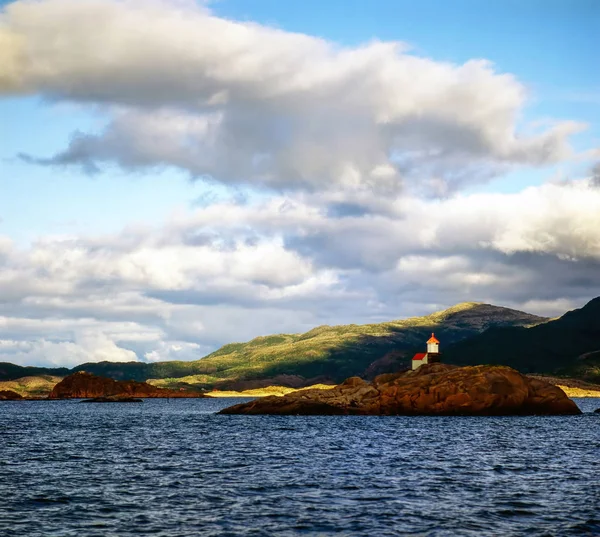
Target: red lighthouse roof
pixel 432 339
pixel 419 356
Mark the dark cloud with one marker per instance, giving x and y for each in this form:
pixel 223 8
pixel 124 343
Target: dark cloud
pixel 596 175
pixel 344 210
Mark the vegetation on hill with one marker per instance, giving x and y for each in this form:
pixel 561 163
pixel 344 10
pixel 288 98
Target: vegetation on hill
pixel 338 352
pixel 10 371
pixel 39 386
pixel 470 333
pixel 330 353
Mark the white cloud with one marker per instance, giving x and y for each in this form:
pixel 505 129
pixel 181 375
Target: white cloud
pixel 173 350
pixel 243 103
pixel 556 219
pixel 87 347
pixel 231 271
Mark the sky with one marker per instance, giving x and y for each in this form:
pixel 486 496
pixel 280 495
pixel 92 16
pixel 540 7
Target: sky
pixel 176 175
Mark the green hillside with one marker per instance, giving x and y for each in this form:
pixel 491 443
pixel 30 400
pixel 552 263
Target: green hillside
pixel 326 352
pixel 337 352
pixel 568 346
pixel 470 333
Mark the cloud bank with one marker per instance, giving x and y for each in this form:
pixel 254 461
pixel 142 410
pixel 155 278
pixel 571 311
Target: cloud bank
pixel 242 103
pixel 233 270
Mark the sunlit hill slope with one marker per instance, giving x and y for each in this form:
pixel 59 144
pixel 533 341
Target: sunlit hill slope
pixel 325 353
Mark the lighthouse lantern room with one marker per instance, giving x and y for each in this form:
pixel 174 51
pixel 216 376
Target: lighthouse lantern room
pixel 433 345
pixel 432 355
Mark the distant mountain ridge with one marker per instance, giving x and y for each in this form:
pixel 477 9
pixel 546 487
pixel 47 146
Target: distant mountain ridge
pixel 10 371
pixel 324 353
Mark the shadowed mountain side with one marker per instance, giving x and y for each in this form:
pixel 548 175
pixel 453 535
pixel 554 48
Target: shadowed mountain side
pixel 323 354
pixel 333 353
pixel 567 346
pixel 10 371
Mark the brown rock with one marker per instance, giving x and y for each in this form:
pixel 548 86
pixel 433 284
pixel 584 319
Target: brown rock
pixel 9 395
pixel 434 389
pixel 83 385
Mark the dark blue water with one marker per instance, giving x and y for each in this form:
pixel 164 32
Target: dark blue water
pixel 175 468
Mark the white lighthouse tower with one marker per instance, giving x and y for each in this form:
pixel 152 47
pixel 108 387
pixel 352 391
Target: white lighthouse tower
pixel 432 355
pixel 433 345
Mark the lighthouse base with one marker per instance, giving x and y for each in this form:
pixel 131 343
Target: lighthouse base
pixel 423 359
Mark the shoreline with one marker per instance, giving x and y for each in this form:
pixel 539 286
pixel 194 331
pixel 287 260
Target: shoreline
pixel 277 391
pixel 280 391
pixel 571 387
pixel 579 392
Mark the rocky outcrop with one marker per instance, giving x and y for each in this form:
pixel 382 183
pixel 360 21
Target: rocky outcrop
pixel 9 395
pixel 435 389
pixel 84 385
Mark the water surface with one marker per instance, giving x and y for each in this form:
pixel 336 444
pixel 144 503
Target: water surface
pixel 176 469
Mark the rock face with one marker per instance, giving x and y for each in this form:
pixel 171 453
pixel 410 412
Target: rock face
pixel 434 389
pixel 84 385
pixel 9 395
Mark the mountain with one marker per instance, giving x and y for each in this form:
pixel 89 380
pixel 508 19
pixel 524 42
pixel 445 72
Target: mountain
pixel 10 371
pixel 338 352
pixel 567 346
pixel 470 333
pixel 324 353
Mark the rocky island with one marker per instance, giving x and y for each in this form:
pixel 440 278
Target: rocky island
pixel 433 389
pixel 83 385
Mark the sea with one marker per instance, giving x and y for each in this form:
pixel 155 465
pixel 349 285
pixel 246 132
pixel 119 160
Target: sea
pixel 175 468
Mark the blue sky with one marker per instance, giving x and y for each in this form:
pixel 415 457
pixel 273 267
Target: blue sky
pixel 550 45
pixel 204 217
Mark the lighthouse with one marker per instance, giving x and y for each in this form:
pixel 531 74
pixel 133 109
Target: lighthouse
pixel 432 355
pixel 433 345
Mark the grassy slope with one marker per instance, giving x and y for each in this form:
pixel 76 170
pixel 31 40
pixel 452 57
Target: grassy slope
pixel 331 352
pixel 338 352
pixel 569 346
pixel 37 386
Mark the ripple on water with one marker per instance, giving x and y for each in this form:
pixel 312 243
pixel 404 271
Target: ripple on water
pixel 177 469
